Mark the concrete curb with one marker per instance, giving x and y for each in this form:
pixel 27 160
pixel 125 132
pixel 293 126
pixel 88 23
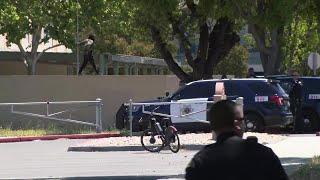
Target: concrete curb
pixel 54 137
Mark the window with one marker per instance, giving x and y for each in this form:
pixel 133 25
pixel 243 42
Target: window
pixel 234 89
pixel 264 88
pixel 196 90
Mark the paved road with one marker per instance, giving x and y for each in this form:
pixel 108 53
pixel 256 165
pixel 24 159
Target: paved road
pixel 50 159
pixel 44 159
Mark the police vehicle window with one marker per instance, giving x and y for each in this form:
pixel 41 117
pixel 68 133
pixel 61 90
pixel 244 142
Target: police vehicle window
pixel 263 88
pixel 231 89
pixel 279 89
pixel 198 90
pixel 286 86
pixel 234 88
pixel 176 94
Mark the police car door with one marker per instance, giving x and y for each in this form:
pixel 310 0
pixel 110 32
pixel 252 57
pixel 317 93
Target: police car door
pixel 195 111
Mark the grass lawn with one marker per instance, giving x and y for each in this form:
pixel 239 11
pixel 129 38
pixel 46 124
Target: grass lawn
pixel 310 171
pixel 38 132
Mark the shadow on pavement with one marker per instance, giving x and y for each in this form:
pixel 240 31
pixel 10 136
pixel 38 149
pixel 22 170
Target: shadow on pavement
pixel 189 147
pixel 176 177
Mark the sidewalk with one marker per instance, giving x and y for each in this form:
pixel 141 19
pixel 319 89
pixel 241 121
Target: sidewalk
pixel 304 146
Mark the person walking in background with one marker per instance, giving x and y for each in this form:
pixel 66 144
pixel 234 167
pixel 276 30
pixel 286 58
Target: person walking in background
pixel 232 157
pixel 88 53
pixel 295 96
pixel 251 73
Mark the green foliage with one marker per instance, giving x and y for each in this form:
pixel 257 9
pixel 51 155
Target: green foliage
pixel 312 169
pixel 248 40
pixel 301 39
pixel 19 18
pixel 236 63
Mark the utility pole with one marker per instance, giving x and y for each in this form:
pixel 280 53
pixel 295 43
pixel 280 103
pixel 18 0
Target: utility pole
pixel 77 38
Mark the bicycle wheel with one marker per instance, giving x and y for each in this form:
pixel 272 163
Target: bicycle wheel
pixel 151 141
pixel 174 144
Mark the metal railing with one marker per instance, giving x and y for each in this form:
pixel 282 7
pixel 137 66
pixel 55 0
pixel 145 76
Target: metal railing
pixel 52 116
pixel 238 100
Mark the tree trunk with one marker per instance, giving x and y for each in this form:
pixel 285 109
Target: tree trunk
pixel 270 53
pixel 167 56
pixel 212 49
pixel 221 40
pixel 29 70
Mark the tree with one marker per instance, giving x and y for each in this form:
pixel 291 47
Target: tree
pixel 301 37
pixel 168 20
pixel 40 19
pixel 266 21
pixel 236 63
pixel 45 20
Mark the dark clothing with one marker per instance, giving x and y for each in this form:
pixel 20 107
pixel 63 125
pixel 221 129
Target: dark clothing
pixel 295 96
pixel 233 158
pixel 88 57
pixel 251 76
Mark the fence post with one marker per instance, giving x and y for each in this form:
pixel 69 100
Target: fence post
pixel 98 115
pixel 239 101
pixel 130 116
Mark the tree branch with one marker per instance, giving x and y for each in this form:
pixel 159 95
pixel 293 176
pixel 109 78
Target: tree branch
pixel 259 36
pixel 36 40
pixel 40 54
pixel 243 11
pixel 182 36
pixel 221 41
pixel 192 7
pixel 203 42
pixel 167 56
pixel 24 53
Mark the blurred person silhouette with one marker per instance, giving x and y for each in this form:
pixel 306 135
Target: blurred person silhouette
pixel 88 53
pixel 251 73
pixel 295 96
pixel 233 157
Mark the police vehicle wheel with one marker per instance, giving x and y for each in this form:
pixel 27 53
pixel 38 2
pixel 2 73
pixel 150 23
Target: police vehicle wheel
pixel 151 141
pixel 253 123
pixel 310 120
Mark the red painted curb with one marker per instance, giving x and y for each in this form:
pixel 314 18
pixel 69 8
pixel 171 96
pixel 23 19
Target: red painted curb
pixel 54 137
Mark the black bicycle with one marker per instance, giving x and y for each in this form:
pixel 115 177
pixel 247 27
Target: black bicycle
pixel 160 135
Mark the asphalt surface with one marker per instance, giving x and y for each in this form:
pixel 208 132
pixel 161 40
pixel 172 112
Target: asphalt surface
pixel 50 159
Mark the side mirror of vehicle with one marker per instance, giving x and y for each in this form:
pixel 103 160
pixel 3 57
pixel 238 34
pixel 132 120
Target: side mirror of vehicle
pixel 167 94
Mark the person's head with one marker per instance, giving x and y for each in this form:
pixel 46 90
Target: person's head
pixel 226 116
pixel 295 75
pixel 251 71
pixel 91 36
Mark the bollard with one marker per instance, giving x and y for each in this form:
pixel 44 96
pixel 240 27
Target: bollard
pixel 47 108
pixel 239 101
pixel 130 116
pixel 98 115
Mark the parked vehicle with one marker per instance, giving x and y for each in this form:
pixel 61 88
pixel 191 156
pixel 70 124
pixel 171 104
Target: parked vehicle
pixel 265 105
pixel 310 99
